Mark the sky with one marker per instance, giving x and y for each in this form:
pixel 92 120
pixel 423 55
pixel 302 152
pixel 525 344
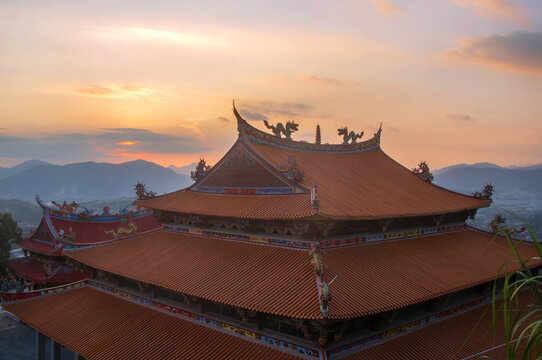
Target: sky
pixel 451 81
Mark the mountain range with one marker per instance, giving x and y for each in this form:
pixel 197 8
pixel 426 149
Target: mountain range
pixel 86 181
pixel 469 178
pixel 95 185
pixel 185 170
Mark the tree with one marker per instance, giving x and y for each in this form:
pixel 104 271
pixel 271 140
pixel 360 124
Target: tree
pixel 9 232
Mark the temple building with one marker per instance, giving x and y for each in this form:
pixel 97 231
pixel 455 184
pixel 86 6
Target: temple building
pixel 66 227
pixel 287 249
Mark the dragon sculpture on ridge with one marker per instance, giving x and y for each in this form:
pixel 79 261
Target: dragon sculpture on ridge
pixel 349 136
pixel 281 129
pixel 129 228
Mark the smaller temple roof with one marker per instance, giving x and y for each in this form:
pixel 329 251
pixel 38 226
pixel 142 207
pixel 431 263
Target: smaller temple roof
pixel 38 271
pixel 131 331
pixel 84 229
pixel 41 246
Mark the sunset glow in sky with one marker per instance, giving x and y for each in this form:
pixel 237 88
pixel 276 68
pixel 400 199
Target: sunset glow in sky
pixel 451 81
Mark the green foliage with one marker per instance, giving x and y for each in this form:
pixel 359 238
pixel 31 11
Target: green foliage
pixel 9 232
pixel 522 322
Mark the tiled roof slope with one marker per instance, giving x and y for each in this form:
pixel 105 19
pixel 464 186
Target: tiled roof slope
pixel 91 231
pixel 368 185
pixel 289 206
pixel 459 337
pixel 256 277
pixel 361 183
pixel 371 278
pixel 42 247
pixel 37 271
pixel 128 330
pixel 378 277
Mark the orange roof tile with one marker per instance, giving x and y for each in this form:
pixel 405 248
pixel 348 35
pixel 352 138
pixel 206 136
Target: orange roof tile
pixel 240 206
pixel 128 330
pixel 371 278
pixel 383 276
pixel 256 277
pixel 459 337
pixel 368 185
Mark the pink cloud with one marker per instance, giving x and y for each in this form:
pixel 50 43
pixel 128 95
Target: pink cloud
pixel 386 8
pixel 519 52
pixel 507 9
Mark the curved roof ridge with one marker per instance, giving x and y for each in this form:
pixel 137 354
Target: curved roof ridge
pixel 252 134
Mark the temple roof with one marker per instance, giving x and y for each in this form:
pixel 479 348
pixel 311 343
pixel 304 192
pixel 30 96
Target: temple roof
pixel 39 271
pixel 131 331
pixel 355 181
pixel 370 278
pixel 84 229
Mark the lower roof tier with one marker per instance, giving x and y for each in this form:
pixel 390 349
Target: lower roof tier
pixel 370 278
pixel 470 335
pixel 99 326
pixel 46 272
pixel 40 246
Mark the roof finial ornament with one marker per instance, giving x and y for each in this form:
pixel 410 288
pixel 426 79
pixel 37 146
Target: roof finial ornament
pixel 377 133
pixel 315 202
pixel 423 172
pixel 318 139
pixel 201 170
pixel 349 136
pixel 281 129
pixel 486 193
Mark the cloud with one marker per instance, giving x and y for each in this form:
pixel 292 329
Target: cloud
pixel 519 51
pixel 386 8
pixel 460 117
pixel 81 146
pixel 507 9
pixel 223 119
pixel 136 34
pixel 262 110
pixel 249 115
pixel 312 80
pixel 119 91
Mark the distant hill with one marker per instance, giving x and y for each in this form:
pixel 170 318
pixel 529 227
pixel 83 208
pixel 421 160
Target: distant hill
pixel 6 172
pixel 469 178
pixel 482 165
pixel 89 181
pixel 22 212
pixel 185 170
